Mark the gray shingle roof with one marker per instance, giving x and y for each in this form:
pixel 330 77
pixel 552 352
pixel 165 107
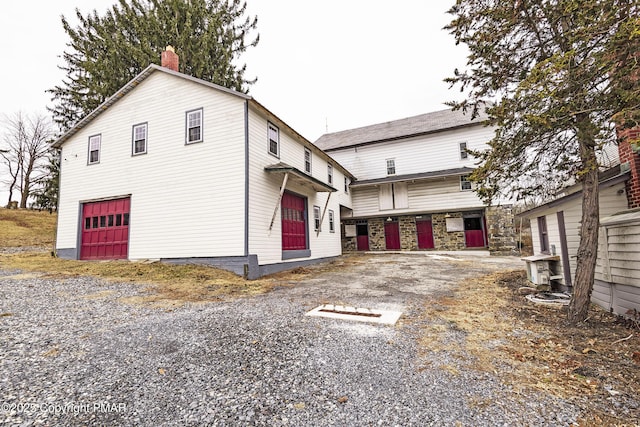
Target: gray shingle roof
pixel 436 121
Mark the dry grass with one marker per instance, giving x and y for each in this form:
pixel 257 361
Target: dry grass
pixel 533 347
pixel 21 227
pixel 167 284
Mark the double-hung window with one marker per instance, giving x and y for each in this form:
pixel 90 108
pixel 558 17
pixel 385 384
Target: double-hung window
pixel 274 139
pixel 391 166
pixel 94 149
pixel 463 151
pixel 332 225
pixel 194 126
pixel 465 184
pixel 329 173
pixel 307 160
pixel 346 185
pixel 316 218
pixel 139 143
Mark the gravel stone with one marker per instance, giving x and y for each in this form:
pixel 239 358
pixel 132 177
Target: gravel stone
pixel 72 354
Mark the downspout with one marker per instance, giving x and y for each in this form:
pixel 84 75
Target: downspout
pixel 246 178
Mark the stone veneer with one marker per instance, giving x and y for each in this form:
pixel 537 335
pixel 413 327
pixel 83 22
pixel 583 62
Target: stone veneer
pixel 446 240
pixel 501 230
pixel 376 234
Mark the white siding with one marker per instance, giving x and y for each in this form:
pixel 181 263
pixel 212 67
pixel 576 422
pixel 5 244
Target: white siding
pixel 610 202
pixel 438 195
pixel 264 190
pixel 186 200
pixel 439 151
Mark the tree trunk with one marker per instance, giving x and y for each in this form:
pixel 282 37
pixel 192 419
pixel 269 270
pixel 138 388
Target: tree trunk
pixel 588 248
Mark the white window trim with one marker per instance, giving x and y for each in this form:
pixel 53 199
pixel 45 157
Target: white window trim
pixel 346 185
pixel 133 138
pixel 462 147
pixel 97 138
pixel 391 164
pixel 465 179
pixel 187 115
pixel 329 174
pixel 316 218
pixel 332 225
pixel 308 152
pixel 271 126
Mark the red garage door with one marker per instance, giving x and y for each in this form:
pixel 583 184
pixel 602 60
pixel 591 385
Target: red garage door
pixel 105 230
pixel 294 228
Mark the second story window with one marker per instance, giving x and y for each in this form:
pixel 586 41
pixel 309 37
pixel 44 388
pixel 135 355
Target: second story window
pixel 330 174
pixel 465 184
pixel 94 149
pixel 194 126
pixel 346 185
pixel 139 139
pixel 463 151
pixel 274 140
pixel 307 161
pixel 391 166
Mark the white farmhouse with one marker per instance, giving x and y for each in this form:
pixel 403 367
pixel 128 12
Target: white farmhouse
pixel 182 170
pixel 412 190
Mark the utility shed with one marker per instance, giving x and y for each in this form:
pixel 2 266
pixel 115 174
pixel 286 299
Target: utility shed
pixel 617 280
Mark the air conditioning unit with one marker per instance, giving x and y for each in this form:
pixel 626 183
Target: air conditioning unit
pixel 538 269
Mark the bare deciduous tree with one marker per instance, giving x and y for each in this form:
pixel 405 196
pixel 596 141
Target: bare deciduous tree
pixel 23 153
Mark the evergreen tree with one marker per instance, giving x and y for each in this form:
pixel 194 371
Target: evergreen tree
pixel 105 52
pixel 553 74
pixel 46 196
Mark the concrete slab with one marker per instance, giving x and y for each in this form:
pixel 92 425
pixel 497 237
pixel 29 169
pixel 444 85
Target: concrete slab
pixel 358 314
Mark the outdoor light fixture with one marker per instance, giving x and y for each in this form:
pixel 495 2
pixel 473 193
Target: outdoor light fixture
pixel 389 219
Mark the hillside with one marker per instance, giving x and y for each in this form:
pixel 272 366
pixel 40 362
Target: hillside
pixel 26 228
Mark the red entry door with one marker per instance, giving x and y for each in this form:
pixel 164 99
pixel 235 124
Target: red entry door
pixel 362 239
pixel 294 225
pixel 424 230
pixel 105 230
pixel 392 235
pixel 474 232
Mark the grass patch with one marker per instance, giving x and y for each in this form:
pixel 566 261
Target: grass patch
pixel 167 284
pixel 24 228
pixel 533 347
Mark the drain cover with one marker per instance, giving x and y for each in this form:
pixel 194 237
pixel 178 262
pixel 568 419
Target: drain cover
pixel 353 313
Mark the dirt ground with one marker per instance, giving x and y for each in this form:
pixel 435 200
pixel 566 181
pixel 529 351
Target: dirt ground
pixel 595 364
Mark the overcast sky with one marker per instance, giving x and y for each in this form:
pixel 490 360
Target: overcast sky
pixel 330 64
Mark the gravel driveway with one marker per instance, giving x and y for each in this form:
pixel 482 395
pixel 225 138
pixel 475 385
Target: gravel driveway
pixel 72 354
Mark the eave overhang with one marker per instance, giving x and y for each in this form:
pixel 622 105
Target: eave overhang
pixel 300 178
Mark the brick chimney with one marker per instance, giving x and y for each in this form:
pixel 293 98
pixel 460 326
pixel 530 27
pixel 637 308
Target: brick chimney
pixel 169 58
pixel 627 154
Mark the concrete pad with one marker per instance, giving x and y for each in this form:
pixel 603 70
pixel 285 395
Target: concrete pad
pixel 358 314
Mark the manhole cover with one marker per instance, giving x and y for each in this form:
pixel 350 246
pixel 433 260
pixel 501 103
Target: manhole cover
pixel 355 313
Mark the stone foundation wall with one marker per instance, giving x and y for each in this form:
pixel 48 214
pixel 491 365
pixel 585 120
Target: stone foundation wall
pixel 501 230
pixel 408 236
pixel 446 240
pixel 376 234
